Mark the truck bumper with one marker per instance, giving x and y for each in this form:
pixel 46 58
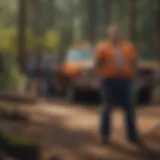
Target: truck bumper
pixel 87 87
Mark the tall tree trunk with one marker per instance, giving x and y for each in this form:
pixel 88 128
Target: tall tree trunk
pixel 132 19
pixel 48 13
pixel 21 34
pixel 37 23
pixel 107 14
pixel 157 8
pixel 103 17
pixel 90 34
pixel 100 18
pixel 107 11
pixel 66 40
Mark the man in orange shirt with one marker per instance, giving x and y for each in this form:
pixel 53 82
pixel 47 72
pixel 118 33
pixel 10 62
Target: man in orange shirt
pixel 116 65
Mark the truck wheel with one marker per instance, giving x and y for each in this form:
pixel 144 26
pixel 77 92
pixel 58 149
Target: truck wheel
pixel 145 96
pixel 71 94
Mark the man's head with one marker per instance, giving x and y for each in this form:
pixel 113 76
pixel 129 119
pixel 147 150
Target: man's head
pixel 113 33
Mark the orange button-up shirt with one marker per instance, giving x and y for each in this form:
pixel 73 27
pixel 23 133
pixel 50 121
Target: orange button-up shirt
pixel 106 55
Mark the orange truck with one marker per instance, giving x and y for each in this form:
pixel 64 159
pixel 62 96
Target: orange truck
pixel 77 75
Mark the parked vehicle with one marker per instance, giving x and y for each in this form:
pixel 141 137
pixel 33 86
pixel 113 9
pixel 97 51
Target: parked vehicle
pixel 76 75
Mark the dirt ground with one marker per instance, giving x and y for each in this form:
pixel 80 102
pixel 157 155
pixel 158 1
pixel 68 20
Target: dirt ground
pixel 70 131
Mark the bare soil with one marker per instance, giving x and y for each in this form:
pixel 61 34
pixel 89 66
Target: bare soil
pixel 70 132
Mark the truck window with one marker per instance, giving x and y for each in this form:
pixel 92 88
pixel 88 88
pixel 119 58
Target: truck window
pixel 79 55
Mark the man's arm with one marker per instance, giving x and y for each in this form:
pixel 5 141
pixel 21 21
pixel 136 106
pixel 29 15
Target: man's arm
pixel 99 57
pixel 135 60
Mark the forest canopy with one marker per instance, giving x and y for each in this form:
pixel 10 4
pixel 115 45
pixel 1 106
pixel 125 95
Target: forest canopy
pixel 56 24
pixel 8 40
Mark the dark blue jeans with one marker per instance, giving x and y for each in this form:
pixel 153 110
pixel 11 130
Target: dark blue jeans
pixel 117 92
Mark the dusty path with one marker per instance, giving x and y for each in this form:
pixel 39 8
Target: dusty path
pixel 70 131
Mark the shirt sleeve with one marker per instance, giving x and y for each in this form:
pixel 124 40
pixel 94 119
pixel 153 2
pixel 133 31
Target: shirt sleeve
pixel 99 56
pixel 135 58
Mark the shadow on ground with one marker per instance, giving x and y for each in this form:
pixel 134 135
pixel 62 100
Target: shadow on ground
pixel 67 143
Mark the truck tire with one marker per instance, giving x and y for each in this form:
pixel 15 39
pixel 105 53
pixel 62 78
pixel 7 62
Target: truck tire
pixel 145 96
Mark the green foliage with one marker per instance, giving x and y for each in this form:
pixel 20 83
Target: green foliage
pixel 15 76
pixel 92 15
pixel 8 40
pixel 146 37
pixel 12 75
pixel 51 39
pixel 8 46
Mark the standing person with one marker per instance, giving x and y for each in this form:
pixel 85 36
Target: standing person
pixel 47 67
pixel 33 72
pixel 116 65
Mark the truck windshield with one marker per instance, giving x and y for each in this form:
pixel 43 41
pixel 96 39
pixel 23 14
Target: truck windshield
pixel 77 55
